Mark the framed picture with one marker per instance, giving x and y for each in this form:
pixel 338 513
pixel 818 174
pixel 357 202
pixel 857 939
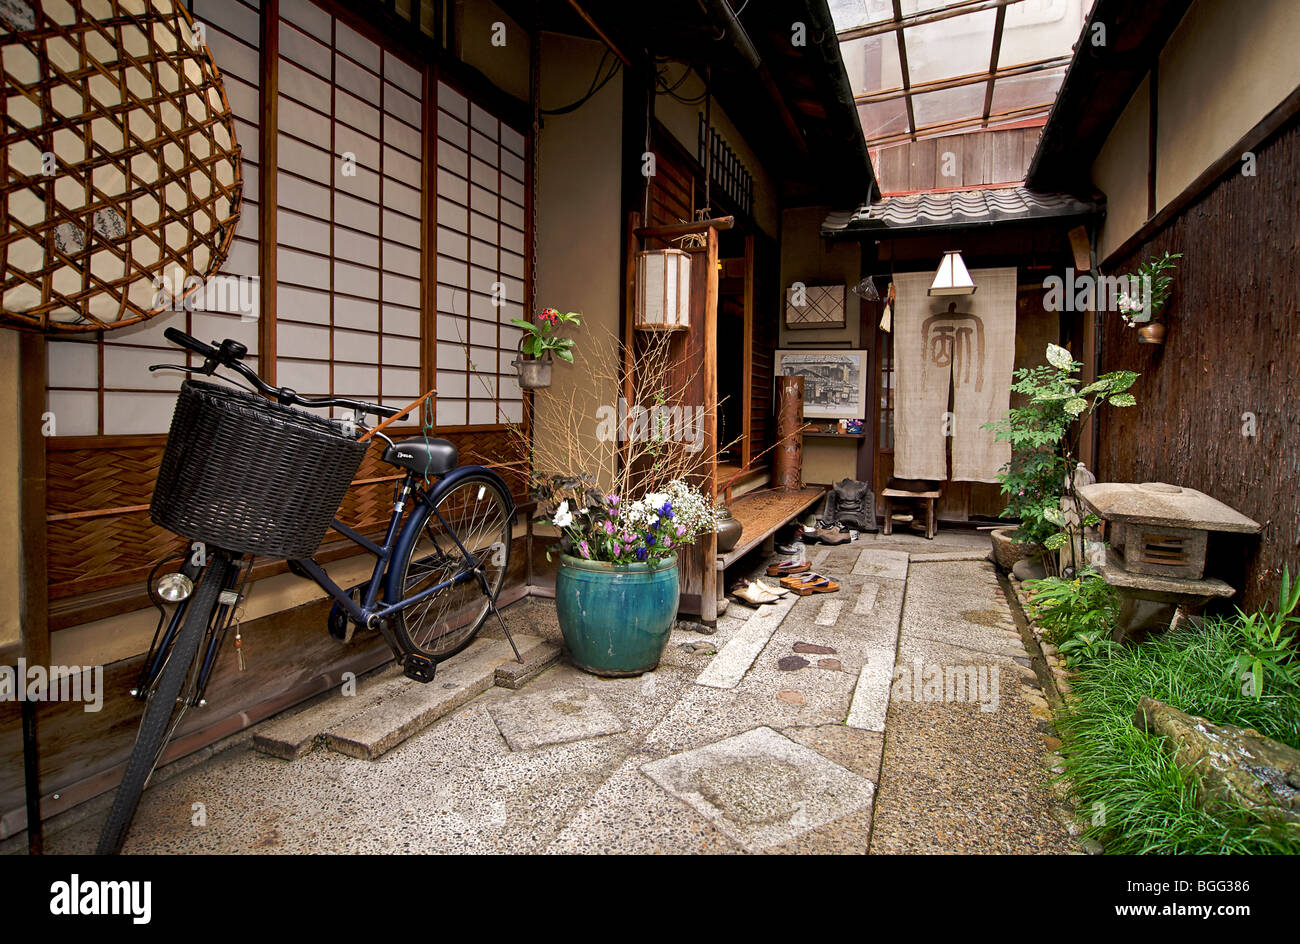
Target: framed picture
pixel 814 306
pixel 834 384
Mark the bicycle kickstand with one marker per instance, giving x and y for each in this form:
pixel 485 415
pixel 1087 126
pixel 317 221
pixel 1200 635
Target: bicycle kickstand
pixel 510 639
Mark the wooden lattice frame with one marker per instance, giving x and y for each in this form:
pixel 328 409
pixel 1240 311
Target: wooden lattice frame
pixel 99 244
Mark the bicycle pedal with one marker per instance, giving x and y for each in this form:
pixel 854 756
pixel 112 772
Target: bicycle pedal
pixel 418 667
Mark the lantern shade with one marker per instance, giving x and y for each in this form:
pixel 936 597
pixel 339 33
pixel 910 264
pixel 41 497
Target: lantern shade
pixel 953 278
pixel 663 290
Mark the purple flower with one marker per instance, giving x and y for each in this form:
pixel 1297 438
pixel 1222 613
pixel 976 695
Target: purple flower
pixel 668 542
pixel 640 553
pixel 650 539
pixel 611 500
pixel 609 527
pixel 586 551
pixel 681 530
pixel 618 549
pixel 628 538
pixel 667 509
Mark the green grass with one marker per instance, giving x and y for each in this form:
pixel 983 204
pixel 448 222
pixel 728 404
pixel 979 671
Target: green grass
pixel 1150 805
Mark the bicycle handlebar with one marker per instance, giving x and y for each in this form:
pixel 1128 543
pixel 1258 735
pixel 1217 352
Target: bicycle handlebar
pixel 229 355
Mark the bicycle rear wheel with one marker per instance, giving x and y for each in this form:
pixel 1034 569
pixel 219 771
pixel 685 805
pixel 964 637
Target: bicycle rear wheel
pixel 161 710
pixel 479 513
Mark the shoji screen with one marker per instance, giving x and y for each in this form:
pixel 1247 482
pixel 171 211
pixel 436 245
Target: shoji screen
pixel 480 263
pixel 348 221
pixel 104 386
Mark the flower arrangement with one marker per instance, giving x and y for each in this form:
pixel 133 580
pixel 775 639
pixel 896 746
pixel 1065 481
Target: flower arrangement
pixel 1156 280
pixel 604 527
pixel 541 337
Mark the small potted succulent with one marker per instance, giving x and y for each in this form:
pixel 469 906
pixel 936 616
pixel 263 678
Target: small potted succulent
pixel 540 340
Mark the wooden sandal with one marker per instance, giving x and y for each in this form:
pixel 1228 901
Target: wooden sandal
pixel 808 584
pixel 787 567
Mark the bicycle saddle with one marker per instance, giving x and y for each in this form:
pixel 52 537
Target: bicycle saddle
pixel 433 457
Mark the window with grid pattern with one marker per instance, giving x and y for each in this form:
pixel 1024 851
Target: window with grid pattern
pixel 349 147
pixel 102 385
pixel 481 246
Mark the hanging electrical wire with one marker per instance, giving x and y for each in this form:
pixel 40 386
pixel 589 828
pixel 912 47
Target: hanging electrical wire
pixel 597 83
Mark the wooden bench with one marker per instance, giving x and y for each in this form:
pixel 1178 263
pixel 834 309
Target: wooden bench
pixel 761 514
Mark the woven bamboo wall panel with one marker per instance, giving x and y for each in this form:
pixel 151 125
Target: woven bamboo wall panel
pixel 103 551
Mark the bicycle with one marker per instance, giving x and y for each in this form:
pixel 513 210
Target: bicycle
pixel 437 575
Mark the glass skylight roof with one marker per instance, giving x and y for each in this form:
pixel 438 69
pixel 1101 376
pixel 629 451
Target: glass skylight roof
pixel 923 68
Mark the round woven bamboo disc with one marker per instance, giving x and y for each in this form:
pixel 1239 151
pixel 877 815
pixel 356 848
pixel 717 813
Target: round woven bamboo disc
pixel 122 183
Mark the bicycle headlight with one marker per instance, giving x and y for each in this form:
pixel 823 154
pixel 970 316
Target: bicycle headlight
pixel 175 587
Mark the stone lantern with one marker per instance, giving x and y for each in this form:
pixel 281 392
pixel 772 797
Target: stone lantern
pixel 1158 537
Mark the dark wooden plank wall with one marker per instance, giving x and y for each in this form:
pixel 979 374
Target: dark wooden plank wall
pixel 1232 347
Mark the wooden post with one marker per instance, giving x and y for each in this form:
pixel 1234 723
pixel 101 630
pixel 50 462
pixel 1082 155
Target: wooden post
pixel 33 609
pixel 709 589
pixel 747 371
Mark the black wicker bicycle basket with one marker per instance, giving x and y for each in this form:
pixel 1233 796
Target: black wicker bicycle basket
pixel 245 474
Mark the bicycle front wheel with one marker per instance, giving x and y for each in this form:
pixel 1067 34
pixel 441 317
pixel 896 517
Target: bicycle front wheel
pixel 164 703
pixel 474 514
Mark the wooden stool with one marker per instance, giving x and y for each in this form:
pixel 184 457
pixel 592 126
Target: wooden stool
pixel 930 498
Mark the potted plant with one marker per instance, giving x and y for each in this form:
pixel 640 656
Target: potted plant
pixel 540 340
pixel 1040 479
pixel 617 587
pixel 1155 276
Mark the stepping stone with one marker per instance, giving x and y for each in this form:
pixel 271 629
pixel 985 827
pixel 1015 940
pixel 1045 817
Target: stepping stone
pixel 291 736
pixel 830 665
pixel 811 648
pixel 791 663
pixel 467 674
pixel 790 696
pixel 760 788
pixel 553 717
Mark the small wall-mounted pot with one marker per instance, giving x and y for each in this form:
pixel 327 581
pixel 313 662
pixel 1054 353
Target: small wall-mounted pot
pixel 534 374
pixel 1153 332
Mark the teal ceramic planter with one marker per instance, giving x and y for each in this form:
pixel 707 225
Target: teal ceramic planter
pixel 616 618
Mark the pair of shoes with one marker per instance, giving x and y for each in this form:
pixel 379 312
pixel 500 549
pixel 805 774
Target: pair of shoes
pixel 808 583
pixel 787 567
pixel 793 547
pixel 756 593
pixel 832 536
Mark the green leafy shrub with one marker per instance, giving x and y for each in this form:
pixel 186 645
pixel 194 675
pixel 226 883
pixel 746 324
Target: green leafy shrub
pixel 1267 654
pixel 1077 614
pixel 1043 434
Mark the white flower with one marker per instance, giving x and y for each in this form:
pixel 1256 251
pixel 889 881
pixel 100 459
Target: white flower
pixel 562 517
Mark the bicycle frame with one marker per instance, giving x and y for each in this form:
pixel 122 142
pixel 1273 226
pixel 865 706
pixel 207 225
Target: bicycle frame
pixel 398 539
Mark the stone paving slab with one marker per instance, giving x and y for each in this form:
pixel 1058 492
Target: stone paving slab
pixel 871 696
pixel 761 788
pixel 891 565
pixel 943 556
pixel 390 722
pixel 553 717
pixel 738 654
